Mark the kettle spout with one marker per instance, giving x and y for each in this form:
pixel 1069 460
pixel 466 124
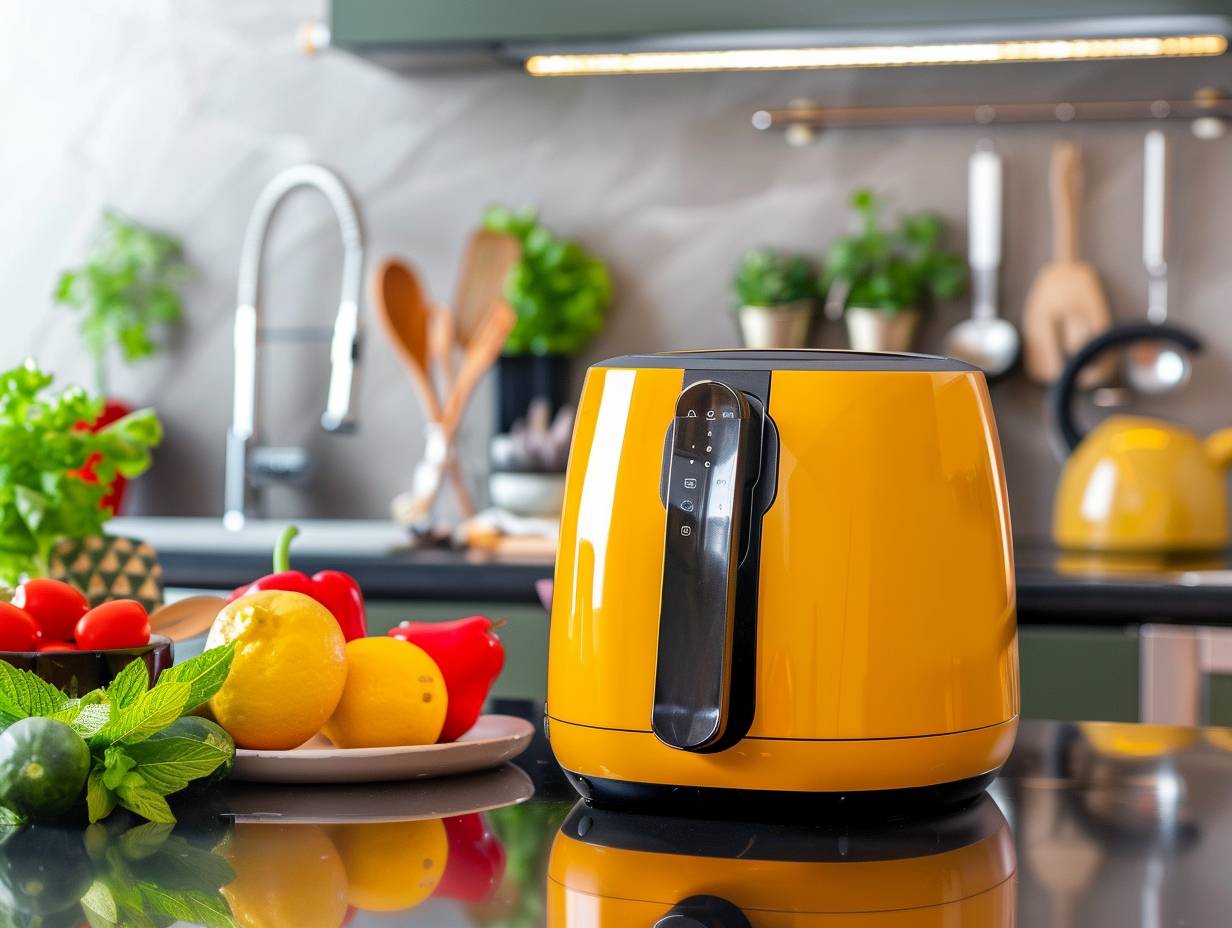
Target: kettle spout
pixel 1218 446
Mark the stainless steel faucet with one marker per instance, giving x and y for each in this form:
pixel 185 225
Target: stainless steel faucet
pixel 244 459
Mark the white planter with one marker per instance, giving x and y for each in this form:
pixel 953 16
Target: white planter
pixel 527 494
pixel 782 326
pixel 878 330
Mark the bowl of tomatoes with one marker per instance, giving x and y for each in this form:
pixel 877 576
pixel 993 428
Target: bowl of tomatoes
pixel 49 628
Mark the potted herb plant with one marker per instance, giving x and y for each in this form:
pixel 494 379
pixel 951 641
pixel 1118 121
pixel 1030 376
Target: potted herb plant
pixel 774 293
pixel 560 293
pixel 127 289
pixel 885 277
pixel 51 516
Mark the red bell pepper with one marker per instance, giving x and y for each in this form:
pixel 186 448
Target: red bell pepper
pixel 336 591
pixel 476 859
pixel 470 656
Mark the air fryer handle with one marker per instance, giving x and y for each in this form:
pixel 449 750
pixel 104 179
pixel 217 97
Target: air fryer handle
pixel 714 455
pixel 704 912
pixel 1061 397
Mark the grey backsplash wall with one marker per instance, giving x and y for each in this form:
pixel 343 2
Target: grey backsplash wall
pixel 178 112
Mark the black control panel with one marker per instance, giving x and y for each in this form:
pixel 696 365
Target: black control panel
pixel 712 462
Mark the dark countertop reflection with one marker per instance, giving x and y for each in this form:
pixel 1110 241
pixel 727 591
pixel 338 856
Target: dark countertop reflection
pixel 1091 824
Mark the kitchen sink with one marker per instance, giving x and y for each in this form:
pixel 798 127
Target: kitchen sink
pixel 342 537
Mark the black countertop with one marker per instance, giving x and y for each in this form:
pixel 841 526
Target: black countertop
pixel 1052 586
pixel 1089 824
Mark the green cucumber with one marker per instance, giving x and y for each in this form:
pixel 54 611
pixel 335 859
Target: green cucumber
pixel 43 768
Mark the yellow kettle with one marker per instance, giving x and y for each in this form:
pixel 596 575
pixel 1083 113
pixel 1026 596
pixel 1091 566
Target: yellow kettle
pixel 1138 484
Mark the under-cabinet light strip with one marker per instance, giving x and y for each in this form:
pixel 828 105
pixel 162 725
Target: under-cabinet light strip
pixel 876 56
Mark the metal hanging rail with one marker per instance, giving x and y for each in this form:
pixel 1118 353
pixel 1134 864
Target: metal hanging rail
pixel 1209 110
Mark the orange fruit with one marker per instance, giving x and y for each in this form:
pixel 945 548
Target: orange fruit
pixel 394 695
pixel 285 875
pixel 392 866
pixel 288 673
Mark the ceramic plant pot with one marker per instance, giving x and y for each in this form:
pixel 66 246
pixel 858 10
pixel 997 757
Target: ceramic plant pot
pixel 770 327
pixel 879 330
pixel 106 568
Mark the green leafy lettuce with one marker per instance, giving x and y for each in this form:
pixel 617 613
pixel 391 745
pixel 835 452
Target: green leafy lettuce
pixel 43 498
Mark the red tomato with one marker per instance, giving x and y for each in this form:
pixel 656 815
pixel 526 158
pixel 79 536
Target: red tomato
pixel 121 623
pixel 56 606
pixel 18 630
pixel 57 646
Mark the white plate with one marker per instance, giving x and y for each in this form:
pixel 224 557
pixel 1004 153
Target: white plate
pixel 356 803
pixel 492 741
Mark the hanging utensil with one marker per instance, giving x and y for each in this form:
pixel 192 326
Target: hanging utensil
pixel 985 340
pixel 1155 368
pixel 406 315
pixel 481 280
pixel 1066 306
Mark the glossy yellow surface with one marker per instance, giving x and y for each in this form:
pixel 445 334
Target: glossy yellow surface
pixel 1139 484
pixel 1134 741
pixel 598 887
pixel 886 606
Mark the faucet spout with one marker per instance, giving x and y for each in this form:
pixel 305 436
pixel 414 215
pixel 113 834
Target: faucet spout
pixel 339 413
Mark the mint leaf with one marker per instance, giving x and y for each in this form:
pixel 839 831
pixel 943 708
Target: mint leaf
pixel 99 901
pixel 100 800
pixel 116 765
pixel 169 764
pixel 153 711
pixel 144 840
pixel 196 908
pixel 86 720
pixel 129 684
pixel 10 818
pixel 22 694
pixel 205 673
pixel 137 797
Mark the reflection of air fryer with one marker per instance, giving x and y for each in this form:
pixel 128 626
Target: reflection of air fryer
pixel 783 572
pixel 615 869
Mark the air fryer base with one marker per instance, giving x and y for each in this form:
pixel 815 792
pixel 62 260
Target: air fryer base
pixel 718 802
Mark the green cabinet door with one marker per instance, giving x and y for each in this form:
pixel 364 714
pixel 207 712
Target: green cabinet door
pixel 1079 673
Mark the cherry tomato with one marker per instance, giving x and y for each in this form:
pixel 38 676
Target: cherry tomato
pixel 18 630
pixel 56 606
pixel 121 623
pixel 56 646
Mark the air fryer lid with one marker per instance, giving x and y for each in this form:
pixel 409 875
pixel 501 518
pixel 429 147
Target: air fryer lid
pixel 818 868
pixel 802 359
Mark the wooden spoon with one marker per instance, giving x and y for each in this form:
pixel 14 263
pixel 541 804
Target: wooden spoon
pixel 1066 306
pixel 405 314
pixel 186 618
pixel 481 280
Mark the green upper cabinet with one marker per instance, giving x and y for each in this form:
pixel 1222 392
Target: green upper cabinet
pixel 376 24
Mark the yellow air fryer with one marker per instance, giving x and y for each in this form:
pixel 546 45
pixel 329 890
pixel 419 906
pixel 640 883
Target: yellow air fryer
pixel 783 573
pixel 615 869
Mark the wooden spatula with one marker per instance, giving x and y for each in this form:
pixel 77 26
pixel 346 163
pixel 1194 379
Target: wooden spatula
pixel 1066 306
pixel 481 281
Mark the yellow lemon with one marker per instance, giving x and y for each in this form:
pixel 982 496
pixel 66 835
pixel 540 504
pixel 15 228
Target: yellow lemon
pixel 394 695
pixel 285 875
pixel 289 669
pixel 392 866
